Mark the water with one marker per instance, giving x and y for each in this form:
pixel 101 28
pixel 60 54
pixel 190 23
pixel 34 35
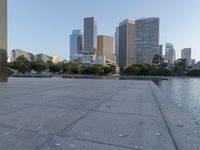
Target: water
pixel 185 94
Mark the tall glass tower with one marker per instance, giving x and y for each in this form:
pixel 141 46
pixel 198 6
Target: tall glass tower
pixel 90 35
pixel 3 41
pixel 170 55
pixel 75 42
pixel 146 39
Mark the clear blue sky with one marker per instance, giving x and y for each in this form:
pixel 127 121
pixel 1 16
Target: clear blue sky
pixel 44 26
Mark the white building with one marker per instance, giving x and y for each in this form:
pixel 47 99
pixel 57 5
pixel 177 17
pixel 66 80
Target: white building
pixel 170 55
pixel 186 54
pixel 19 52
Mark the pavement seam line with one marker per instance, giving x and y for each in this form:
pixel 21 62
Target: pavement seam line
pixel 87 112
pixel 164 119
pixel 97 142
pixel 129 114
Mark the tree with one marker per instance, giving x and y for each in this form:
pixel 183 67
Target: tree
pixel 113 68
pixel 194 73
pixel 94 70
pixel 71 67
pixel 159 67
pixel 107 70
pixel 39 66
pixel 158 62
pixel 133 70
pixel 180 66
pixel 22 64
pixel 49 63
pixel 54 68
pixel 138 70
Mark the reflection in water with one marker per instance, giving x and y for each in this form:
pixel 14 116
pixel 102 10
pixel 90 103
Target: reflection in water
pixel 185 93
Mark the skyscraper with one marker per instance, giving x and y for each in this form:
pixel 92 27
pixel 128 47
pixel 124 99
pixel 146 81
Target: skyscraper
pixel 170 55
pixel 76 43
pixel 105 47
pixel 146 39
pixel 3 41
pixel 126 43
pixel 117 44
pixel 186 54
pixel 160 51
pixel 90 35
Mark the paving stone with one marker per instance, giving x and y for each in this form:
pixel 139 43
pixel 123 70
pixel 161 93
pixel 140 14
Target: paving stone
pixel 123 130
pixel 58 143
pixel 75 103
pixel 33 99
pixel 130 107
pixel 7 107
pixel 121 114
pixel 42 119
pixel 17 139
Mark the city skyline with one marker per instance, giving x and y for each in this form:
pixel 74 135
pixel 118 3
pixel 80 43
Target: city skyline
pixel 48 31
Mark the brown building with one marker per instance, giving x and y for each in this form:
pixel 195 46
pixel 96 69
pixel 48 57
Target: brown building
pixel 105 47
pixel 126 43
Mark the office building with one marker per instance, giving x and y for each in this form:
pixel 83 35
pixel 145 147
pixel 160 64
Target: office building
pixel 126 43
pixel 193 61
pixel 76 42
pixel 170 55
pixel 160 51
pixel 117 44
pixel 186 54
pixel 90 35
pixel 19 52
pixel 146 39
pixel 105 47
pixel 3 40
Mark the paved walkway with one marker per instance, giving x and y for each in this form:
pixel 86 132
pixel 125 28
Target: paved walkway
pixel 64 114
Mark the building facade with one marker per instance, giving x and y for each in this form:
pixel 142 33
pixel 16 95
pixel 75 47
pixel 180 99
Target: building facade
pixel 105 47
pixel 3 40
pixel 76 42
pixel 126 43
pixel 193 61
pixel 186 54
pixel 19 52
pixel 146 39
pixel 43 57
pixel 160 51
pixel 90 35
pixel 170 55
pixel 117 44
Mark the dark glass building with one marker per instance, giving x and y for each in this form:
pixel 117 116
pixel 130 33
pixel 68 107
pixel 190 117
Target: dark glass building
pixel 90 35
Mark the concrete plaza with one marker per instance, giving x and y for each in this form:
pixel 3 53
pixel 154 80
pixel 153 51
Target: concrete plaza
pixel 67 114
